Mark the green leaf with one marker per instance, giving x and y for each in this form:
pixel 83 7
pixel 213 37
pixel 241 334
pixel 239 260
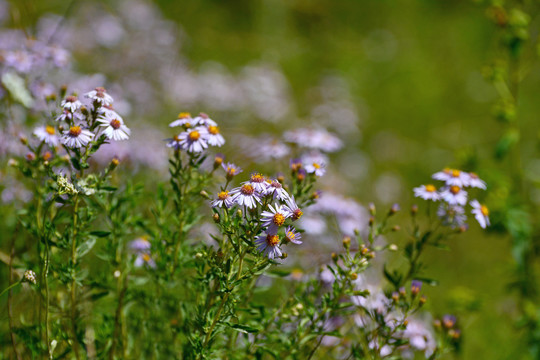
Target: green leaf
pixel 85 247
pixel 16 87
pixel 100 234
pixel 243 328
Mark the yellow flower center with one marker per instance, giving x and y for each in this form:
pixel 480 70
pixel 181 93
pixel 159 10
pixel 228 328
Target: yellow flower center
pixel 297 214
pixel 454 189
pixel 316 166
pixel 484 210
pixel 194 135
pixel 456 173
pixel 430 188
pixel 272 240
pixel 278 219
pixel 291 235
pixel 176 138
pixel 115 124
pixel 49 129
pixel 247 189
pixel 184 115
pixel 214 130
pixel 223 195
pixel 231 170
pixel 258 178
pixel 146 257
pixel 75 131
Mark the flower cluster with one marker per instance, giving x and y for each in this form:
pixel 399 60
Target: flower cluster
pixel 199 133
pixel 79 125
pixel 259 192
pixel 453 197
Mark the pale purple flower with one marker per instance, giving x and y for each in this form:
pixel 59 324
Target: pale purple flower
pixel 292 235
pixel 115 129
pixel 269 245
pixel 184 119
pixel 481 213
pixel 454 195
pixel 231 169
pixel 71 103
pixel 258 181
pixel 100 96
pixel 277 191
pixel 427 192
pixel 77 137
pixel 194 140
pixel 47 134
pixel 204 120
pixel 246 195
pixel 223 199
pixel 214 138
pixel 274 218
pixel 452 215
pixel 476 182
pixel 174 143
pixel 452 177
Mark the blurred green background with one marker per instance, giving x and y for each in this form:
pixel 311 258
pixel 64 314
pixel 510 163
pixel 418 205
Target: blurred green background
pixel 414 74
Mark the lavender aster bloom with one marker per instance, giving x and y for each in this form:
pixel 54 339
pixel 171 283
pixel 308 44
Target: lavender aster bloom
pixel 269 245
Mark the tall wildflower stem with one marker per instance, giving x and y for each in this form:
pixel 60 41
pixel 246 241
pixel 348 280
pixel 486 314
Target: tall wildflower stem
pixel 73 280
pixel 9 302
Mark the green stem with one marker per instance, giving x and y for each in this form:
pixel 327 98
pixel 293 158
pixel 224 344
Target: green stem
pixel 73 281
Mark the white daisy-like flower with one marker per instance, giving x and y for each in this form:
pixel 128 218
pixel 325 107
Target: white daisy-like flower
pixel 246 195
pixel 114 128
pixel 71 103
pixel 68 116
pixel 274 218
pixel 77 137
pixel 184 119
pixel 427 192
pixel 476 182
pixel 258 181
pixel 144 259
pixel 108 111
pixel 214 137
pixel 194 140
pixel 454 195
pixel 204 119
pixel 223 199
pixel 47 134
pixel 277 191
pixel 316 167
pixel 292 207
pixel 452 215
pixel 319 139
pixel 174 143
pixel 100 96
pixel 292 235
pixel 269 245
pixel 481 213
pixel 231 169
pixel 452 177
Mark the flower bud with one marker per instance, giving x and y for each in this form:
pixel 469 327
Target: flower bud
pixel 395 296
pixel 30 156
pixel 402 291
pixel 218 160
pixel 284 255
pixel 204 194
pixel 23 139
pixel 393 247
pixel 334 256
pixel 422 300
pixel 372 209
pixel 394 209
pixel 353 276
pixel 216 218
pixel 346 242
pixel 416 285
pixel 396 228
pixel 414 210
pixel 280 177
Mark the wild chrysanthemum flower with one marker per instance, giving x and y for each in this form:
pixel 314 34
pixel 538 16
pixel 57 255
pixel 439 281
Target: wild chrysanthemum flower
pixel 107 111
pixel 203 119
pixel 100 96
pixel 144 259
pixel 452 177
pixel 314 138
pixel 47 134
pixel 246 195
pixel 277 191
pixel 77 137
pixel 476 182
pixel 481 213
pixel 140 245
pixel 231 170
pixel 454 195
pixel 258 181
pixel 269 245
pixel 174 143
pixel 67 115
pixel 427 192
pixel 292 235
pixel 184 119
pixel 114 128
pixel 71 103
pixel 214 138
pixel 452 215
pixel 295 164
pixel 292 207
pixel 274 218
pixel 194 140
pixel 223 199
pixel 315 166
